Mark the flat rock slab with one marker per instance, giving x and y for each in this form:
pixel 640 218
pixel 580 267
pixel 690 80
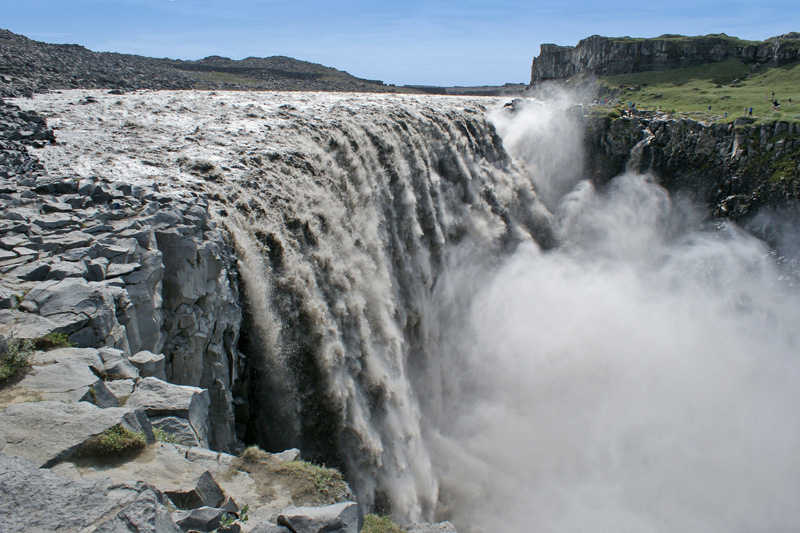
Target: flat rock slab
pixel 338 518
pixel 87 356
pixel 25 325
pixel 68 381
pixel 32 499
pixel 50 432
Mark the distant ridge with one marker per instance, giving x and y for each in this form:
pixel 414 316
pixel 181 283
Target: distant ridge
pixel 28 66
pixel 609 56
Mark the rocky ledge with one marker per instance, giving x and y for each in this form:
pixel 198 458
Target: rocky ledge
pixel 119 322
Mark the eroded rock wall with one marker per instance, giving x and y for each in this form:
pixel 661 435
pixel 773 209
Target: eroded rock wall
pixel 110 264
pixel 609 56
pixel 735 169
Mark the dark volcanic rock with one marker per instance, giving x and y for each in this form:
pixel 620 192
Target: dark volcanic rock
pixel 608 56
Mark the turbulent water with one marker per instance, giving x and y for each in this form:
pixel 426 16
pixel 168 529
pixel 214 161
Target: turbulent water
pixel 474 335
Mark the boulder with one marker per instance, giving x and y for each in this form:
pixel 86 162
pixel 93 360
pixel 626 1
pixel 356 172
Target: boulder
pixel 86 356
pixel 115 364
pixel 150 364
pixel 159 398
pixel 200 519
pixel 147 514
pixel 50 432
pixel 338 518
pixel 81 308
pixel 179 428
pixel 33 499
pixel 206 493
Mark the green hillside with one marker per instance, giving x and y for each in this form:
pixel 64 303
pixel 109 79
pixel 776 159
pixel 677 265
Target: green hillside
pixel 727 87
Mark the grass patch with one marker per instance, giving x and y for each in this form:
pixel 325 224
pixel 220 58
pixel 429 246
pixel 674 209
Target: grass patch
pixel 51 341
pixel 380 524
pixel 163 436
pixel 328 481
pixel 14 355
pixel 727 87
pixel 116 440
pixel 306 483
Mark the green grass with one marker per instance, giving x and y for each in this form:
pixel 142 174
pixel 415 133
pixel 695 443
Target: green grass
pixel 327 481
pixel 116 440
pixel 161 435
pixel 724 86
pixel 380 524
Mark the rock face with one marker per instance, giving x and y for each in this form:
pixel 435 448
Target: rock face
pixel 120 267
pixel 608 56
pixel 735 169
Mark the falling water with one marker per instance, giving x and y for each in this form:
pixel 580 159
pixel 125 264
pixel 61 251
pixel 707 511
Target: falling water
pixel 597 360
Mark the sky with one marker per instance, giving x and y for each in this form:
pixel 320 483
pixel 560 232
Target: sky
pixel 404 42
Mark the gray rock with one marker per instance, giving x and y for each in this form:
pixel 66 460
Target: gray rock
pixel 7 298
pixel 25 325
pixel 200 519
pixel 159 398
pixel 38 500
pixel 287 456
pixel 116 364
pixel 177 427
pixel 89 357
pixel 35 271
pixel 148 514
pixel 121 388
pixel 75 303
pixel 50 432
pixel 338 518
pixel 149 364
pixel 68 381
pixel 206 493
pixel 67 269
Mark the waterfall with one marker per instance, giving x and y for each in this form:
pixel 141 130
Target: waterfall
pixel 439 303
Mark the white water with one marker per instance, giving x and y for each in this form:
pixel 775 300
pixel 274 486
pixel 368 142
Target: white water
pixel 639 377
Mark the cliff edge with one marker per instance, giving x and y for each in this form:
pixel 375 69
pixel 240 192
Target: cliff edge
pixel 610 56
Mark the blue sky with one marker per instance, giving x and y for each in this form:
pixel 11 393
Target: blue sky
pixel 443 42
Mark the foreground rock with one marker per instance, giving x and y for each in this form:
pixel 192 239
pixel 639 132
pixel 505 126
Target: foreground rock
pixel 33 499
pixel 50 432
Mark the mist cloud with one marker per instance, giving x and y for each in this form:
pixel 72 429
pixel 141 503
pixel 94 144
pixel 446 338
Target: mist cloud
pixel 640 377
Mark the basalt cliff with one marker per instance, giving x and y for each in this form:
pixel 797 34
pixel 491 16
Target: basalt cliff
pixel 608 56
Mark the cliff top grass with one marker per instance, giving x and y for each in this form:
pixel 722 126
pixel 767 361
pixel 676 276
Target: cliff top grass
pixel 682 39
pixel 727 87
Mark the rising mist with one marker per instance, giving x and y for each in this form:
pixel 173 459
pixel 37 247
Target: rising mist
pixel 641 376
